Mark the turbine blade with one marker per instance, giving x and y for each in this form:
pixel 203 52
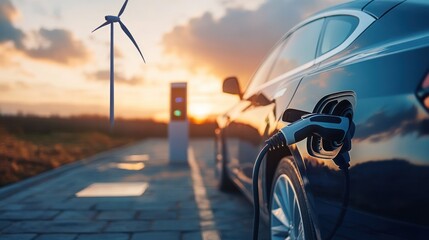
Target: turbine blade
pixel 123 8
pixel 102 25
pixel 125 29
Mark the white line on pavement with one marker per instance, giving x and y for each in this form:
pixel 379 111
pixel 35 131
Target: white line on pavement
pixel 200 193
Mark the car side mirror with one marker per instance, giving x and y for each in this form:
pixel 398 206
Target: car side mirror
pixel 231 86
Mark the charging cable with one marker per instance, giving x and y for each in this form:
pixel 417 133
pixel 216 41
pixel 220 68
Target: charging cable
pixel 329 127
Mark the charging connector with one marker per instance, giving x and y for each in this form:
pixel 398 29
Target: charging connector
pixel 333 128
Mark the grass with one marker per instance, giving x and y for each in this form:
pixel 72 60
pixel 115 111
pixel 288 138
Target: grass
pixel 25 155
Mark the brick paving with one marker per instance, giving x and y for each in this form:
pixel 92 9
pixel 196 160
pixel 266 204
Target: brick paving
pixel 170 208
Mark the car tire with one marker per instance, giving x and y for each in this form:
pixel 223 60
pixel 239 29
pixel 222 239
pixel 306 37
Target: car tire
pixel 225 183
pixel 286 197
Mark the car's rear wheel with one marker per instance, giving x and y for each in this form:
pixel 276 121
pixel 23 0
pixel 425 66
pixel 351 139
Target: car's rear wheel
pixel 289 217
pixel 225 183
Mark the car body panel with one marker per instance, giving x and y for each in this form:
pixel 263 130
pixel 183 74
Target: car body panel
pixel 379 8
pixel 250 126
pixel 391 134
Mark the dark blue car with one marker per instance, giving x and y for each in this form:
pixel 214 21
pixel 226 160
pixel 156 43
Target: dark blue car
pixel 365 60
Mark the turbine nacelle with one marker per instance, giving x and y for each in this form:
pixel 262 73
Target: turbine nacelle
pixel 112 19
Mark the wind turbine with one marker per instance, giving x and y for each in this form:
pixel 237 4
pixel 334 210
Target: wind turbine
pixel 111 20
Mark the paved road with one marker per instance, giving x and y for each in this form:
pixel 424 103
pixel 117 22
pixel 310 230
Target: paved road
pixel 179 202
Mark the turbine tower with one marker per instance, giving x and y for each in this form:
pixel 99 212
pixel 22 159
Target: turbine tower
pixel 111 20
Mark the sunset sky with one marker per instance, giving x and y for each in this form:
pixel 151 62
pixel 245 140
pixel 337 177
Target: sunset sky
pixel 50 63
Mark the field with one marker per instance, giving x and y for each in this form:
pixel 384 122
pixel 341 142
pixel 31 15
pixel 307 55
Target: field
pixel 30 145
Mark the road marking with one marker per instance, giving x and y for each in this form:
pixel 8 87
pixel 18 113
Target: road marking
pixel 200 194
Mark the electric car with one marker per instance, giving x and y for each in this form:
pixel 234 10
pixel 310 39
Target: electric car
pixel 364 60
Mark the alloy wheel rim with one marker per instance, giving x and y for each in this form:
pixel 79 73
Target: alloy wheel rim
pixel 286 218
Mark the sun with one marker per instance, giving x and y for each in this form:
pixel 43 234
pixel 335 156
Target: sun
pixel 200 111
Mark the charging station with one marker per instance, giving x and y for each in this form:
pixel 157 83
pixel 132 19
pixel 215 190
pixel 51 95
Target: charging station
pixel 178 128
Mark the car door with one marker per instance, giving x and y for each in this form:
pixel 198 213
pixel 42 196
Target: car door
pixel 336 88
pixel 272 86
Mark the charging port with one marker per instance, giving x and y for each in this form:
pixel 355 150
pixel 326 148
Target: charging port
pixel 341 104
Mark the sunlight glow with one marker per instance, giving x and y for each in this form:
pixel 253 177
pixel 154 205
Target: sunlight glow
pixel 200 111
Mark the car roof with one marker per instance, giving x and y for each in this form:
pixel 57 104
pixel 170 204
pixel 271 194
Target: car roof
pixel 376 8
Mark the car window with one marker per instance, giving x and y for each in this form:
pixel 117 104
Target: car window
pixel 337 30
pixel 300 48
pixel 264 69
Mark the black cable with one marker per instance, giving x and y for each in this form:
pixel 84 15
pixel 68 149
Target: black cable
pixel 256 192
pixel 276 141
pixel 346 198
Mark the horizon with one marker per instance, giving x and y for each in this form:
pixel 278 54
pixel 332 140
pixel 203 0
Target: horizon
pixel 207 120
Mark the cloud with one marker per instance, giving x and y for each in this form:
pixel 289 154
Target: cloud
pixel 58 45
pixel 4 87
pixel 104 75
pixel 382 126
pixel 7 31
pixel 243 4
pixel 5 60
pixel 13 85
pixel 237 42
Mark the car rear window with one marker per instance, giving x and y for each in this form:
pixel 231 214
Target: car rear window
pixel 337 30
pixel 300 48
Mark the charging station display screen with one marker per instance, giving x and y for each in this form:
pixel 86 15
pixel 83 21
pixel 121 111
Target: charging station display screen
pixel 178 102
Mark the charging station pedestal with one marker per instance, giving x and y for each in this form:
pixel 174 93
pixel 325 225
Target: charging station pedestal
pixel 178 128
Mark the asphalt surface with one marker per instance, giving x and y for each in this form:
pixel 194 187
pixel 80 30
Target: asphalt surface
pixel 178 202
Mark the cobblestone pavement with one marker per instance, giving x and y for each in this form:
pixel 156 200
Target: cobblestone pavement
pixel 180 202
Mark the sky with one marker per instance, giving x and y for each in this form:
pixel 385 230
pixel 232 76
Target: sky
pixel 51 63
